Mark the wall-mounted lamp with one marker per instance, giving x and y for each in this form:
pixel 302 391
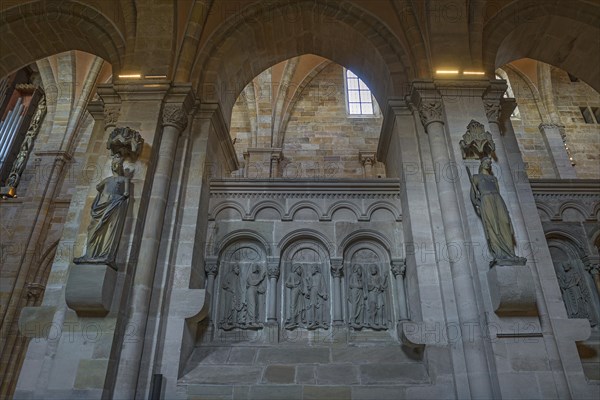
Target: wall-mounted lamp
pixel 155 76
pixel 130 76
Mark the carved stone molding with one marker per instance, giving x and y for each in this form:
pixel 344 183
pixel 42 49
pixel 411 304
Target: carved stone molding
pixel 174 115
pixel 476 142
pixel 492 110
pixel 430 110
pixel 544 126
pixel 125 142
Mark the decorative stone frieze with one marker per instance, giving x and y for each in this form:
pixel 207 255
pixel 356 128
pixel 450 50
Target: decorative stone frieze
pixel 476 142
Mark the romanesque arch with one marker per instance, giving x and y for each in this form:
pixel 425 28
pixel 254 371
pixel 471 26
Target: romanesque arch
pixel 526 29
pixel 40 29
pixel 265 35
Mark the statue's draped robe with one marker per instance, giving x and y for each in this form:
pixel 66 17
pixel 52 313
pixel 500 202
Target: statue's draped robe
pixel 317 295
pixel 297 306
pixel 494 215
pixel 108 212
pixel 255 285
pixel 356 298
pixel 233 304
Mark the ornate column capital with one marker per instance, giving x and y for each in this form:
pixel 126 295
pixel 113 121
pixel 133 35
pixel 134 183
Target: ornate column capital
pixel 111 116
pixel 430 111
pixel 211 269
pixel 543 126
pixel 492 109
pixel 211 266
pixel 273 268
pixel 337 267
pixel 426 98
pixel 174 115
pixel 398 267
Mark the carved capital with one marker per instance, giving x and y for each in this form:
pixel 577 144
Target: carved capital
pixel 34 290
pixel 337 267
pixel 399 268
pixel 430 110
pixel 492 109
pixel 543 126
pixel 111 116
pixel 476 142
pixel 211 268
pixel 174 115
pixel 273 269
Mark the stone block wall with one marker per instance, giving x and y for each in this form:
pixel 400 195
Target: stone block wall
pixel 582 138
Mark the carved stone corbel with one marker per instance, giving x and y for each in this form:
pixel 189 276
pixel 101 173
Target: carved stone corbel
pixel 368 161
pixel 492 109
pixel 125 142
pixel 111 116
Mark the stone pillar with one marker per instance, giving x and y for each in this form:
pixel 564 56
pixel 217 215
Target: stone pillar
pixel 429 103
pixel 399 271
pixel 337 266
pixel 174 121
pixel 368 162
pixel 272 274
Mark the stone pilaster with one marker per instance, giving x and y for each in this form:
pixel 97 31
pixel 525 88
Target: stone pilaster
pixel 429 101
pixel 399 270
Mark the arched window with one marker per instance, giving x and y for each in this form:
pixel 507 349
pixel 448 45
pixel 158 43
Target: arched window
pixel 358 96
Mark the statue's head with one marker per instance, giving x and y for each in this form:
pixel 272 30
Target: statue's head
pixel 315 268
pixel 357 269
pixel 373 269
pixel 255 268
pixel 486 165
pixel 567 266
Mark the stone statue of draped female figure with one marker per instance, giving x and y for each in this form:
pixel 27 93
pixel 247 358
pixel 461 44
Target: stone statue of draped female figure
pixel 108 212
pixel 489 205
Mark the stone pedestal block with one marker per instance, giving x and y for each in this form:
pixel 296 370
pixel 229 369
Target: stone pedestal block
pixel 512 290
pixel 90 289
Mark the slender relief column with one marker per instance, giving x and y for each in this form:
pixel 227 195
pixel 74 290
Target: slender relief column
pixel 211 267
pixel 174 120
pixel 429 103
pixel 337 266
pixel 399 270
pixel 272 275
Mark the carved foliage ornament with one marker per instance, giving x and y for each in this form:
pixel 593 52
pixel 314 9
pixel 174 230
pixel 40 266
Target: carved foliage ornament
pixel 492 110
pixel 476 142
pixel 111 115
pixel 430 111
pixel 126 142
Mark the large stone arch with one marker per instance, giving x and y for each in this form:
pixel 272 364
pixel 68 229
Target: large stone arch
pixel 558 33
pixel 39 29
pixel 267 34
